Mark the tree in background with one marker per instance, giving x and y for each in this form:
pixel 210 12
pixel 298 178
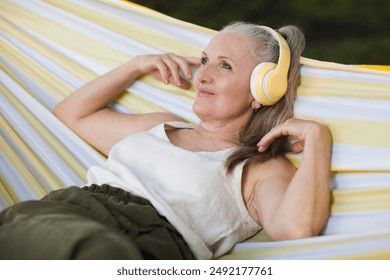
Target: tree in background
pixel 344 31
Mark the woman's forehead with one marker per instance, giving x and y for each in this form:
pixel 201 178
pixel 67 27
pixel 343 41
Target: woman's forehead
pixel 230 44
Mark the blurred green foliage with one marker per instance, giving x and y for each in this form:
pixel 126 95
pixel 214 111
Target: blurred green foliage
pixel 344 31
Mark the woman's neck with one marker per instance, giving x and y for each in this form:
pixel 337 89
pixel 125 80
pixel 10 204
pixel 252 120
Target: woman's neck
pixel 225 133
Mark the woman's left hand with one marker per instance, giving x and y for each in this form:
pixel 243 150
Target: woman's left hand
pixel 299 129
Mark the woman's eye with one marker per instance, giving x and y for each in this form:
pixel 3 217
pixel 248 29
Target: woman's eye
pixel 227 66
pixel 204 60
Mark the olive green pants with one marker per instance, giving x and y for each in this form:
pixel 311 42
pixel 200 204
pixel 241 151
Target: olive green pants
pixel 96 222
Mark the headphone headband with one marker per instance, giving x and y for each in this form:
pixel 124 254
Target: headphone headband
pixel 269 80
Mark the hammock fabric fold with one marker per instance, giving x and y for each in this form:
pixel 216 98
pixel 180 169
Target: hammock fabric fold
pixel 50 48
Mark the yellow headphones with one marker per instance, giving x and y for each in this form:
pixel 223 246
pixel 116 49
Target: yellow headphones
pixel 269 80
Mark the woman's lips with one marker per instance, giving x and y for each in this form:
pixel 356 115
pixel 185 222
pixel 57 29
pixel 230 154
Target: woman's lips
pixel 204 92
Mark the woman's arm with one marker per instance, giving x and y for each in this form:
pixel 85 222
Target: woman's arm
pixel 85 111
pixel 295 204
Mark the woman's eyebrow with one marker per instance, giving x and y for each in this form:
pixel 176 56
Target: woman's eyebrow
pixel 220 57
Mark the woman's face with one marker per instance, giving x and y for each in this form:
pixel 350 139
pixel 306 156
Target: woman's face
pixel 222 82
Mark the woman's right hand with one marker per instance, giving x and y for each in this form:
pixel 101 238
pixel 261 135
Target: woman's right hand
pixel 167 67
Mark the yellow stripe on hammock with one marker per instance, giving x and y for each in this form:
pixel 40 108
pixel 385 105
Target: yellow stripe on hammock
pixel 43 78
pixel 378 70
pixel 376 255
pixel 140 34
pixel 311 86
pixel 296 246
pixel 43 169
pixel 71 66
pixel 377 67
pixel 33 183
pixel 7 193
pixel 133 7
pixel 61 35
pixel 350 131
pixel 361 200
pixel 52 141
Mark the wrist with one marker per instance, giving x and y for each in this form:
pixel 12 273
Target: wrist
pixel 132 68
pixel 318 135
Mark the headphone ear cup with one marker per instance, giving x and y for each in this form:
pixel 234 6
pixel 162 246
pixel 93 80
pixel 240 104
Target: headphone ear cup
pixel 269 81
pixel 259 83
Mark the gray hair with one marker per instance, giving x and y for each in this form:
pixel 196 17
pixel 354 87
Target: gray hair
pixel 265 48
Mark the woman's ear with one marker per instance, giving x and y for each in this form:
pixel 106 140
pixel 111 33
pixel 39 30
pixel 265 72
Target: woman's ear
pixel 256 105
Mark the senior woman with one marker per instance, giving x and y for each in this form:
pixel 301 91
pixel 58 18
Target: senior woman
pixel 173 190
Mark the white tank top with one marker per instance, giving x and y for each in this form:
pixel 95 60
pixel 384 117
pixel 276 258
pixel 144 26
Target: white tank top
pixel 191 189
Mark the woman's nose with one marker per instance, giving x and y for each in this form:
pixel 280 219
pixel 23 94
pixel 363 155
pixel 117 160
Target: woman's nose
pixel 204 74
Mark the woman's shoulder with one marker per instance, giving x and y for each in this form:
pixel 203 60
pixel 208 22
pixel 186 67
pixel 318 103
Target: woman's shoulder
pixel 277 167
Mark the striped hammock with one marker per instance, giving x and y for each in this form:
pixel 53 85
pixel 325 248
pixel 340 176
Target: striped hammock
pixel 50 48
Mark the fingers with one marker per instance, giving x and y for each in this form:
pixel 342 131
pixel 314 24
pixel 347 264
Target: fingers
pixel 291 127
pixel 173 68
pixel 268 139
pixel 169 68
pixel 195 61
pixel 185 64
pixel 297 147
pixel 298 129
pixel 163 72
